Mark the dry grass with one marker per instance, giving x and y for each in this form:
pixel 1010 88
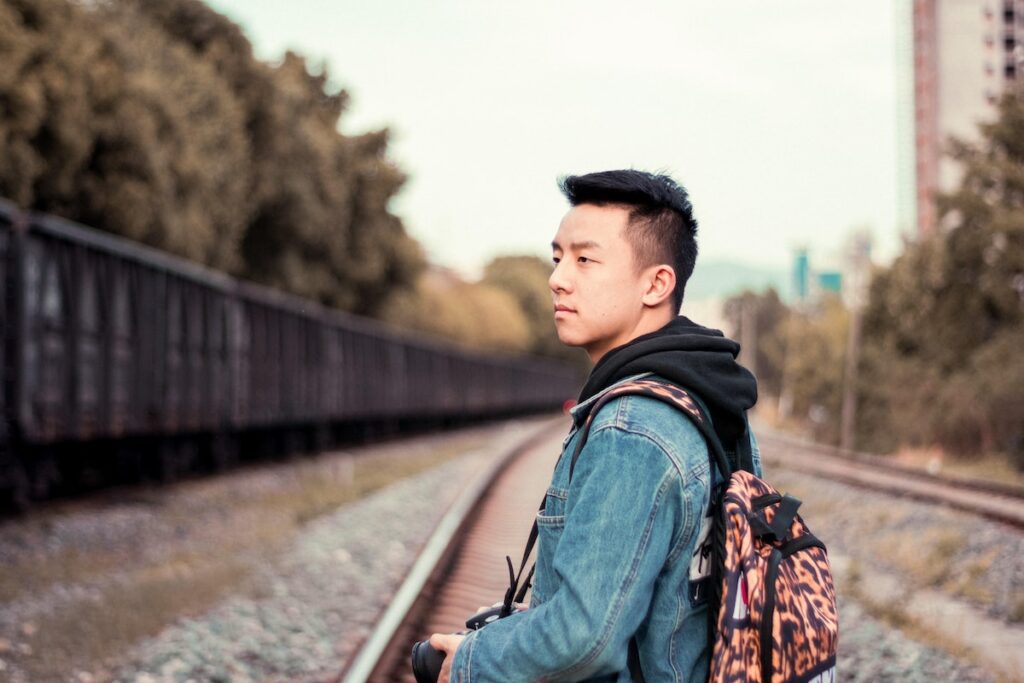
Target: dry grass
pixel 36 574
pixel 969 583
pixel 925 556
pixel 995 467
pixel 1017 611
pixel 103 629
pixel 931 558
pixel 316 490
pixel 895 615
pixel 894 611
pixel 880 518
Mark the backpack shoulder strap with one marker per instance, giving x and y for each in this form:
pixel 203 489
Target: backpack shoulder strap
pixel 674 396
pixel 744 452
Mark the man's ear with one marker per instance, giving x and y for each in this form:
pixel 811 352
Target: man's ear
pixel 661 282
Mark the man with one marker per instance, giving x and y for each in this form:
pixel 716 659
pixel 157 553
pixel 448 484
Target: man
pixel 619 558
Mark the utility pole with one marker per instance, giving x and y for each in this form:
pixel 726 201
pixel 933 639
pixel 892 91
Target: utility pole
pixel 855 296
pixel 801 291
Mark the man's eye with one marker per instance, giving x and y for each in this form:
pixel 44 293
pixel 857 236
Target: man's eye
pixel 583 259
pixel 555 259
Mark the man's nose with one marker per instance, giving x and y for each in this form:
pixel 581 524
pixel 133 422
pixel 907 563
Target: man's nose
pixel 558 282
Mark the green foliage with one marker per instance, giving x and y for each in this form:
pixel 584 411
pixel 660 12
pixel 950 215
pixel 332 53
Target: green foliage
pixel 943 359
pixel 981 407
pixel 153 120
pixel 526 279
pixel 475 315
pixel 509 309
pixel 120 133
pixel 800 356
pixel 814 362
pixel 769 318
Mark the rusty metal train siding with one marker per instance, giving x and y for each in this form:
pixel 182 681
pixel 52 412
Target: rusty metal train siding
pixel 5 331
pixel 105 338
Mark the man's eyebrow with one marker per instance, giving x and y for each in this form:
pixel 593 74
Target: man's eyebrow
pixel 576 246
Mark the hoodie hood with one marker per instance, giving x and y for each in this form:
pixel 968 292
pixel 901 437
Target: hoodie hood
pixel 697 358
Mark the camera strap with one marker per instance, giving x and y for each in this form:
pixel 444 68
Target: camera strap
pixel 515 592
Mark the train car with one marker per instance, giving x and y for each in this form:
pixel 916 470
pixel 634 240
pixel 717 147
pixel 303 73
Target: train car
pixel 11 476
pixel 112 347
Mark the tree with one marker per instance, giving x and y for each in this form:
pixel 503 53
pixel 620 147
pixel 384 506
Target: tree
pixel 815 351
pixel 474 315
pixel 152 119
pixel 321 224
pixel 769 317
pixel 110 124
pixel 944 322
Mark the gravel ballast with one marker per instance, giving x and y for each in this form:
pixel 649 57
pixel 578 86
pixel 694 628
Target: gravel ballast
pixel 302 611
pixel 879 540
pixel 80 575
pixel 324 595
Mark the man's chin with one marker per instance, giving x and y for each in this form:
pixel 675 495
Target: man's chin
pixel 573 341
pixel 565 336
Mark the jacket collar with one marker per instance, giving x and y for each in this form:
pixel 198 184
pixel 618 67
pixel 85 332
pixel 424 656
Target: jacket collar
pixel 580 410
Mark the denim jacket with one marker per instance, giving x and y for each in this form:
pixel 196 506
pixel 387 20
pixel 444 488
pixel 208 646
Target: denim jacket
pixel 615 558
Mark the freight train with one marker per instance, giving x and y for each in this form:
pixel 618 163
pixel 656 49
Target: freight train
pixel 119 360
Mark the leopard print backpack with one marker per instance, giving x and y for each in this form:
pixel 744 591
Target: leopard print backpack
pixel 772 615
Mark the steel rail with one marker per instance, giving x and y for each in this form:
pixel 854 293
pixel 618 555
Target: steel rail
pixel 1001 502
pixel 433 560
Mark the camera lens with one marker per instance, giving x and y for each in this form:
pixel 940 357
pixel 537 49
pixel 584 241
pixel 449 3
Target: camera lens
pixel 426 662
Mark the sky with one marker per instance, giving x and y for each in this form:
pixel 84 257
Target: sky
pixel 778 117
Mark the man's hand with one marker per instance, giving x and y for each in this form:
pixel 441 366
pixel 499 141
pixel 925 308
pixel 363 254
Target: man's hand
pixel 449 643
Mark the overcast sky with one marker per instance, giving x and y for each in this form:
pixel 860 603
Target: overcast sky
pixel 779 117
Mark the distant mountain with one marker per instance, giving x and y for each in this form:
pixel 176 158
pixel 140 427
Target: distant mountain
pixel 722 279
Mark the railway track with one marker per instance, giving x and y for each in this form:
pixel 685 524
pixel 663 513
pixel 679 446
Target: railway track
pixel 462 567
pixel 1000 502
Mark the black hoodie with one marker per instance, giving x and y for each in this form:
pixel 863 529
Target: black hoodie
pixel 692 356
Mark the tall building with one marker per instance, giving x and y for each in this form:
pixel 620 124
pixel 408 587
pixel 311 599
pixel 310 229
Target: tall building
pixel 962 55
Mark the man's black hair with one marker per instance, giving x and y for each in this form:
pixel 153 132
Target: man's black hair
pixel 661 227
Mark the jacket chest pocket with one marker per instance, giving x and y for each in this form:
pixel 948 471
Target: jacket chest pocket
pixel 550 524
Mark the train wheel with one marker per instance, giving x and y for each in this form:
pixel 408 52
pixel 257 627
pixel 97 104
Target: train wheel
pixel 128 464
pixel 222 452
pixel 168 462
pixel 45 474
pixel 293 443
pixel 16 496
pixel 321 439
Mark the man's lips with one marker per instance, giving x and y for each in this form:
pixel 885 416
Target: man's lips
pixel 562 311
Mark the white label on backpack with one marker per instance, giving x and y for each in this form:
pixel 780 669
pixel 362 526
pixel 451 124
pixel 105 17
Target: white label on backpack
pixel 700 563
pixel 741 609
pixel 738 601
pixel 828 676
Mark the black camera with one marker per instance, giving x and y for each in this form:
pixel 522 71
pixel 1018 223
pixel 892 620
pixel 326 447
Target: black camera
pixel 426 661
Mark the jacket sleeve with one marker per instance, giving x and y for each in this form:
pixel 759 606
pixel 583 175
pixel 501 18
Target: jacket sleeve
pixel 623 512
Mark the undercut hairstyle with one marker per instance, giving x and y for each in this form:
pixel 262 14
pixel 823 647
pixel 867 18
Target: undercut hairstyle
pixel 661 228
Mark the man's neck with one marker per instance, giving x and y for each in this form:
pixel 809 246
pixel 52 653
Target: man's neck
pixel 653 321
